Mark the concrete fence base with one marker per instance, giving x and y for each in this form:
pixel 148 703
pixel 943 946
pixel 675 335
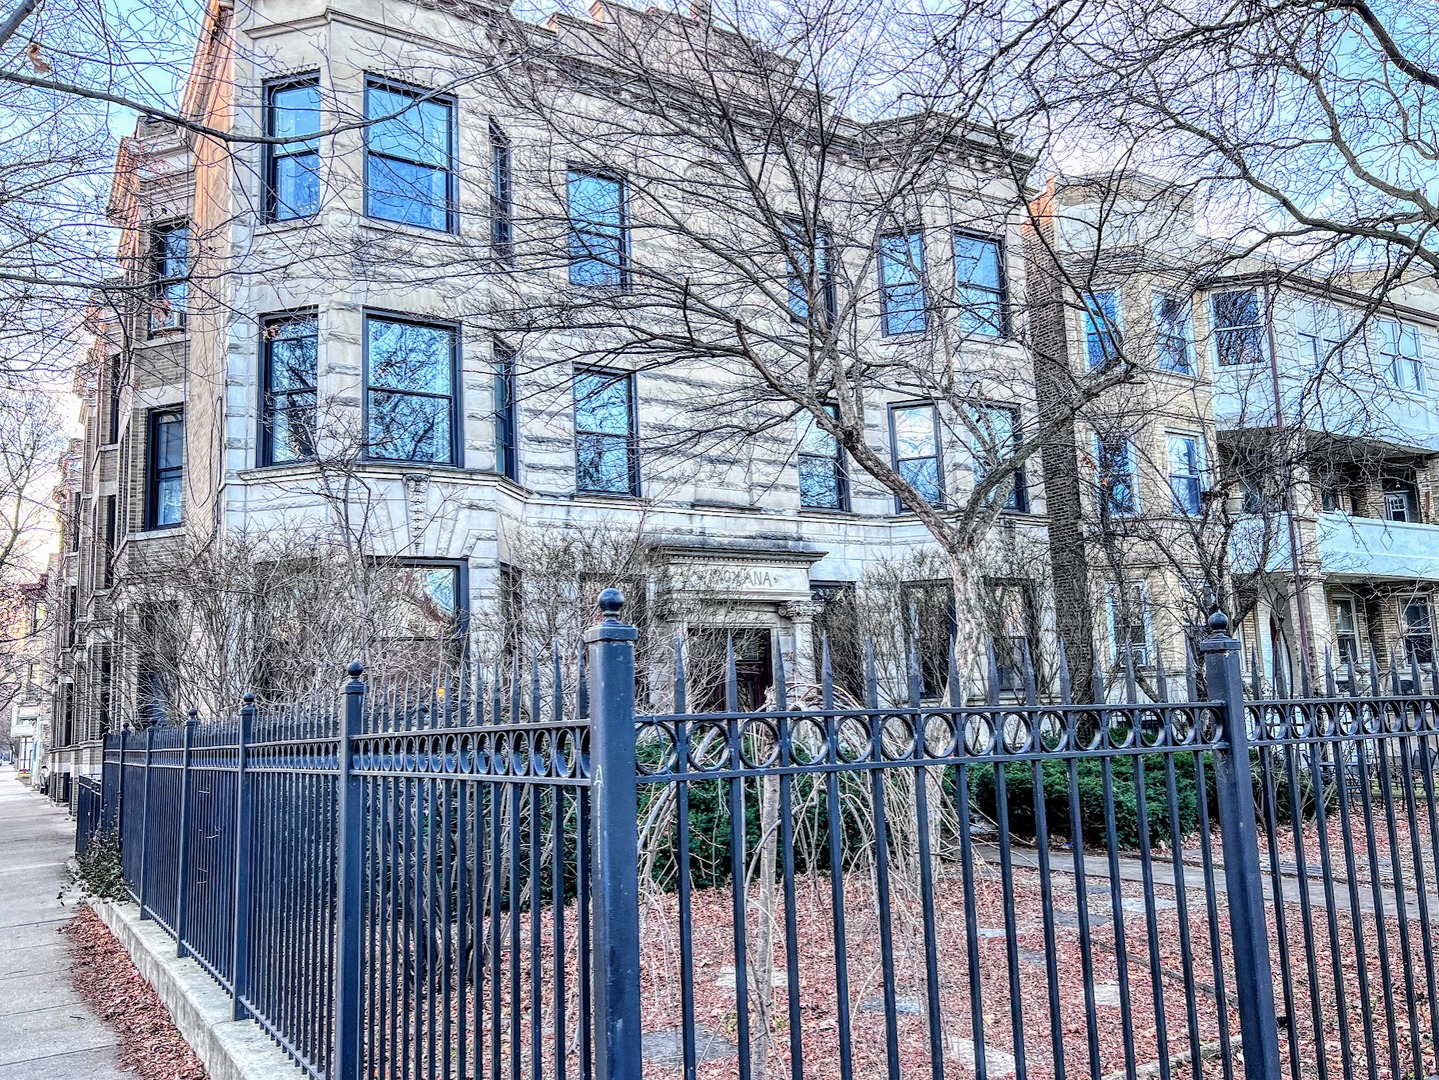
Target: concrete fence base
pixel 229 1049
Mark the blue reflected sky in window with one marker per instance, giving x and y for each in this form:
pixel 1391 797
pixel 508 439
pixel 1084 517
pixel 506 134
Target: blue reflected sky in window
pixel 901 279
pixel 410 357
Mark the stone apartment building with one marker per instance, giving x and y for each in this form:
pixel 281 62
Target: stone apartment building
pixel 1281 452
pixel 306 340
pixel 342 324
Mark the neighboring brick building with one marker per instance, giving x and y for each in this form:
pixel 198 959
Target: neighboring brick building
pixel 1318 527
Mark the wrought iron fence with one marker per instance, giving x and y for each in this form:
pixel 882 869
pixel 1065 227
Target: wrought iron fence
pixel 467 879
pixel 89 802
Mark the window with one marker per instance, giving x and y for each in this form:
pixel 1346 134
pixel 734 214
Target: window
pixel 901 283
pixel 1172 334
pixel 502 216
pixel 914 436
pixel 1116 475
pixel 409 390
pixel 798 260
pixel 410 156
pixel 166 468
pixel 292 168
pixel 507 431
pixel 1416 623
pixel 1238 328
pixel 105 553
pixel 839 624
pixel 1401 495
pixel 996 437
pixel 979 284
pixel 1403 354
pixel 1186 473
pixel 1346 631
pixel 114 377
pixel 1254 494
pixel 169 269
pixel 1331 493
pixel 822 483
pixel 289 411
pixel 1129 623
pixel 1011 618
pixel 1319 329
pixel 605 433
pixel 1103 336
pixel 599 231
pixel 929 618
pixel 425 608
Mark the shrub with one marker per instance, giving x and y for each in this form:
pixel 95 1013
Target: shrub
pixel 99 869
pixel 709 825
pixel 1094 812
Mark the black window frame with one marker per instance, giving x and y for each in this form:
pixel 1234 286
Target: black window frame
pixel 836 461
pixel 275 152
pixel 999 293
pixel 367 387
pixel 885 301
pixel 420 95
pixel 502 194
pixel 1018 500
pixel 163 280
pixel 267 395
pixel 507 427
pixel 155 473
pixel 459 634
pixel 631 438
pixel 895 459
pixel 1242 357
pixel 796 293
pixel 933 669
pixel 575 258
pixel 837 600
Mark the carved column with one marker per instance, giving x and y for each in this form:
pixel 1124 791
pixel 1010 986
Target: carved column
pixel 804 663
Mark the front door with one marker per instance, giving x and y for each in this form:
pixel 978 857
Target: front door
pixel 754 667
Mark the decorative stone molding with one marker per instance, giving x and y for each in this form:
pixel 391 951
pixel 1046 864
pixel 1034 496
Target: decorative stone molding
pixel 801 610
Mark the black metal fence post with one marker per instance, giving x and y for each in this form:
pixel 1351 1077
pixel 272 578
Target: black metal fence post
pixel 120 793
pixel 240 942
pixel 349 846
pixel 182 872
pixel 616 939
pixel 145 818
pixel 1243 873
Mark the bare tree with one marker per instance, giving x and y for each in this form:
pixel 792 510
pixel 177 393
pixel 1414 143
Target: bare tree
pixel 775 164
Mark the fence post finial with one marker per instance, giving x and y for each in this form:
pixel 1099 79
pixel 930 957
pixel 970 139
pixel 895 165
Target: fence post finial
pixel 1217 623
pixel 1249 929
pixel 615 942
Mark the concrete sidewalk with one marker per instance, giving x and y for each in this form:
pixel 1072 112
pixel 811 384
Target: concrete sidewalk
pixel 46 1029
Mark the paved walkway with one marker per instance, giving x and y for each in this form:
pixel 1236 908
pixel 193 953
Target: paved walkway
pixel 46 1030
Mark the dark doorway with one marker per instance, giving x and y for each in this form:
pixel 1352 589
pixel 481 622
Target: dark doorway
pixel 753 663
